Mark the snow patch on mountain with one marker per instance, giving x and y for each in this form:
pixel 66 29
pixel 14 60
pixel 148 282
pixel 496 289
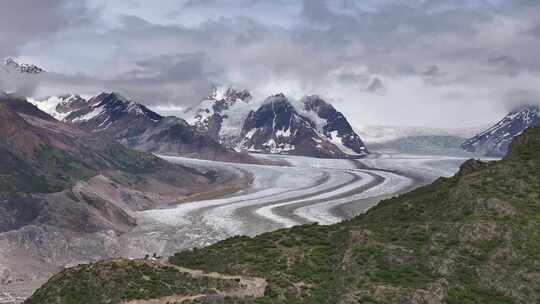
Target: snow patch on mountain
pixel 496 140
pixel 333 125
pixel 57 106
pixel 222 114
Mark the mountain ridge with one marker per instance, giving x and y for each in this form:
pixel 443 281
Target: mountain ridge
pixel 496 140
pixel 136 126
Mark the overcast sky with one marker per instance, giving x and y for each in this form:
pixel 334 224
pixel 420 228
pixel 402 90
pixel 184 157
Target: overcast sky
pixel 443 63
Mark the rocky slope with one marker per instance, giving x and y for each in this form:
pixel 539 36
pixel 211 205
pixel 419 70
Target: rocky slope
pixel 496 140
pixel 277 127
pixel 67 195
pixel 310 127
pixel 134 125
pixel 471 238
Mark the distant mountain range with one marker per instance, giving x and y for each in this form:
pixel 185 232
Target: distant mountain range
pixel 222 127
pixel 229 122
pixel 496 140
pixel 134 125
pixel 310 127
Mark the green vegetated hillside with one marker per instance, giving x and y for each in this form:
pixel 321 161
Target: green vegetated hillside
pixel 472 238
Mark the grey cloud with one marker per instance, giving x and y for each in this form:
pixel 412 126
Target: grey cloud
pixel 19 83
pixel 519 98
pixel 505 64
pixel 432 71
pixel 534 31
pixel 154 81
pixel 332 47
pixel 22 21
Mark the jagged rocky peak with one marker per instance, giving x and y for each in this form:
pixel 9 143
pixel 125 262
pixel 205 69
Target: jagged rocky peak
pixel 112 98
pixel 496 140
pixel 69 101
pixel 221 99
pixel 333 125
pixel 221 115
pixel 59 106
pixel 311 127
pixel 76 109
pixel 22 67
pixel 132 124
pixel 315 103
pixel 230 94
pixel 115 102
pixel 276 127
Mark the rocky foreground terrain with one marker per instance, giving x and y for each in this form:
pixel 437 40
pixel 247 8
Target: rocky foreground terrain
pixel 471 238
pixel 66 195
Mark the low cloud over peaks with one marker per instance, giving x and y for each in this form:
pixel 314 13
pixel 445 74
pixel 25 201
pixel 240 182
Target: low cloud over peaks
pixel 422 51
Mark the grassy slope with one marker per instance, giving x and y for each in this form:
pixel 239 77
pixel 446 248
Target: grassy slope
pixel 52 170
pixel 472 238
pixel 116 280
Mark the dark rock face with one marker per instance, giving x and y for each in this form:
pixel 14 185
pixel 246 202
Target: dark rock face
pixel 113 115
pixel 277 127
pixel 496 140
pixel 337 127
pixel 109 111
pixel 311 127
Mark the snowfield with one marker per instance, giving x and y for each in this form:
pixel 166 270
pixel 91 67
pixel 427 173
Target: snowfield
pixel 307 190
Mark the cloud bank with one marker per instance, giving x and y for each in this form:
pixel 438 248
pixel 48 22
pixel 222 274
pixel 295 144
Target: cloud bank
pixel 442 63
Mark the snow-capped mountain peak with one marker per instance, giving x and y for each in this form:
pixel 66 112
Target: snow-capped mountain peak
pixel 276 124
pixel 333 125
pixel 13 65
pixel 313 128
pixel 230 94
pixel 114 105
pixel 221 115
pixel 105 106
pixel 60 106
pixel 496 140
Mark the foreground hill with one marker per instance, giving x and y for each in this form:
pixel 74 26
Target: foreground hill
pixel 471 238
